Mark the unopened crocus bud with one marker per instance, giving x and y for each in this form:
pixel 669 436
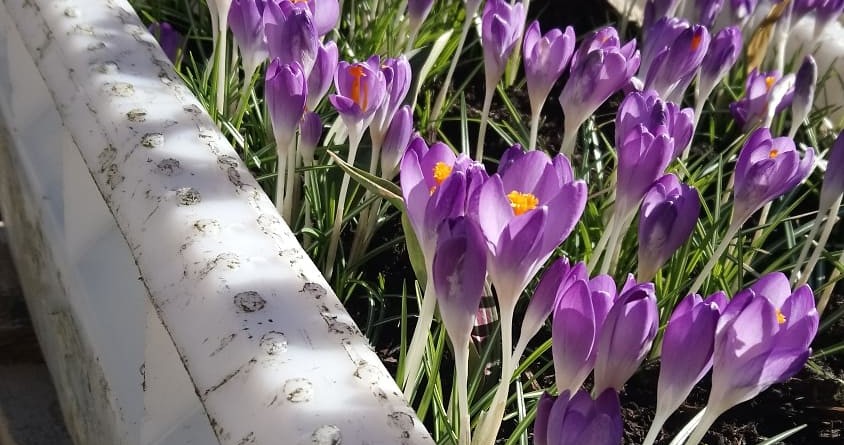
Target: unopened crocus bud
pixel 724 50
pixel 767 168
pixel 657 116
pixel 545 59
pixel 290 32
pixel 657 38
pixel 687 348
pixel 833 179
pixel 459 274
pixel 169 39
pixel 247 25
pixel 310 130
pixel 642 159
pixel 556 278
pixel 762 338
pixel 765 94
pixel 576 419
pixel 804 91
pixel 669 212
pixel 361 88
pixel 395 142
pixel 579 316
pixel 674 67
pixel 626 337
pixel 285 89
pixel 319 81
pixel 397 75
pixel 706 11
pixel 502 26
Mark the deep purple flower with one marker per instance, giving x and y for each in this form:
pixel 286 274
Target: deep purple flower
pixel 502 26
pixel 169 39
pixel 804 91
pixel 764 95
pixel 642 158
pixel 579 316
pixel 762 338
pixel 310 131
pixel 556 278
pixel 290 32
pixel 360 89
pixel 459 274
pixel 578 420
pixel 599 68
pixel 436 185
pixel 395 142
pixel 767 168
pixel 247 25
pixel 657 116
pixel 669 212
pixel 545 59
pixel 626 336
pixel 322 74
pixel 673 68
pixel 397 75
pixel 285 90
pixel 687 348
pixel 657 37
pixel 526 210
pixel 833 180
pixel 724 50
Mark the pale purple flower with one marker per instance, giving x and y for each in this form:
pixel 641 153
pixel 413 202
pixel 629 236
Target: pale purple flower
pixel 418 10
pixel 706 11
pixel 657 38
pixel 673 68
pixel 555 279
pixel 578 420
pixel 657 116
pixel 642 158
pixel 669 212
pixel 397 76
pixel 290 32
pixel 360 90
pixel 626 336
pixel 545 59
pixel 395 142
pixel 767 168
pixel 765 94
pixel 804 91
pixel 247 25
pixel 326 14
pixel 724 50
pixel 833 180
pixel 502 26
pixel 285 90
pixel 322 74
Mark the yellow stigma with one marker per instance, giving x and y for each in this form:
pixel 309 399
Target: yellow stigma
pixel 360 92
pixel 780 317
pixel 769 82
pixel 773 153
pixel 522 202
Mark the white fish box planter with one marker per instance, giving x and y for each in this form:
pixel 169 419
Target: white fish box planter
pixel 172 303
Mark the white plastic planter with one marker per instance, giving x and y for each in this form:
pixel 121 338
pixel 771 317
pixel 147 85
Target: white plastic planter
pixel 173 304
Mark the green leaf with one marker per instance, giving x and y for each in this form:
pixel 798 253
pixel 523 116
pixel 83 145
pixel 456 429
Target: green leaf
pixel 378 186
pixel 414 251
pixel 436 50
pixel 783 435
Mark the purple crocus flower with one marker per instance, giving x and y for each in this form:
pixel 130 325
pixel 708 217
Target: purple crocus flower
pixel 325 13
pixel 555 278
pixel 687 348
pixel 322 74
pixel 826 11
pixel 657 38
pixel 526 210
pixel 397 75
pixel 722 55
pixel 626 336
pixel 459 274
pixel 417 11
pixel 578 420
pixel 669 212
pixel 657 116
pixel 657 9
pixel 579 316
pixel 765 94
pixel 310 130
pixel 502 26
pixel 767 168
pixel 642 158
pixel 599 68
pixel 706 11
pixel 545 59
pixel 833 180
pixel 742 9
pixel 361 89
pixel 395 142
pixel 169 39
pixel 285 89
pixel 247 25
pixel 673 68
pixel 804 92
pixel 762 338
pixel 291 35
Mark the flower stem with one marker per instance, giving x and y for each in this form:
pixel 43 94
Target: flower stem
pixel 491 423
pixel 282 147
pixel 490 91
pixel 827 230
pixel 245 91
pixel 534 129
pixel 461 368
pixel 221 61
pixel 602 243
pixel 354 140
pixel 700 430
pixel 438 104
pixel 569 137
pixel 813 232
pixel 418 341
pixel 731 232
pixel 827 293
pixel 289 186
pixel 656 427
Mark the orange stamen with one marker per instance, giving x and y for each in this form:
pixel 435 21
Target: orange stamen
pixel 357 73
pixel 441 172
pixel 522 202
pixel 780 317
pixel 696 41
pixel 773 153
pixel 769 82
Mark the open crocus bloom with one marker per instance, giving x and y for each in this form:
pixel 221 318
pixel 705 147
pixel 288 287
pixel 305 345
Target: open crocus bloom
pixel 361 89
pixel 762 338
pixel 764 94
pixel 526 210
pixel 767 168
